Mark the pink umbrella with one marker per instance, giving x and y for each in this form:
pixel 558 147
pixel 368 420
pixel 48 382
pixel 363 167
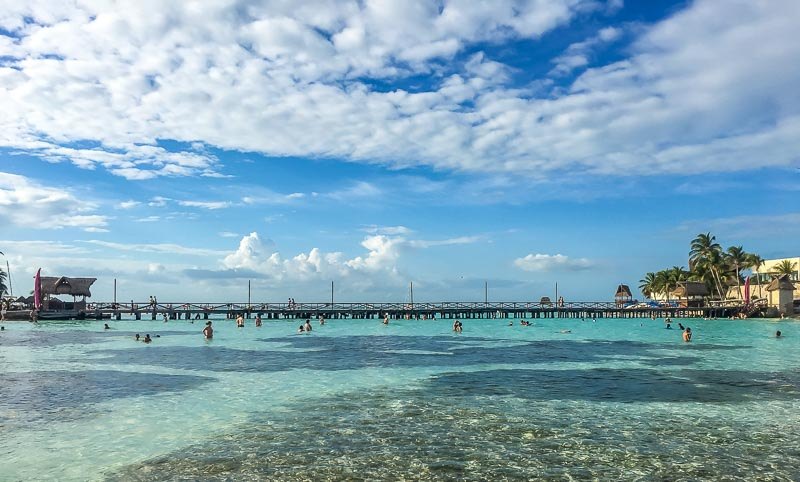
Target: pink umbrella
pixel 37 290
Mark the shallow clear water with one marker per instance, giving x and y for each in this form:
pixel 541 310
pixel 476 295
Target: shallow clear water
pixel 357 400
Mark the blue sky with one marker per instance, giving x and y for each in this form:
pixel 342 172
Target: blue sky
pixel 186 148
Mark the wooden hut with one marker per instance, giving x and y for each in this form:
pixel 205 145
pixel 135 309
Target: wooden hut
pixel 623 295
pixel 691 293
pixel 75 287
pixel 780 294
pixel 545 301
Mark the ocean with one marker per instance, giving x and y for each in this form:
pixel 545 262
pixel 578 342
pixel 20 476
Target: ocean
pixel 358 400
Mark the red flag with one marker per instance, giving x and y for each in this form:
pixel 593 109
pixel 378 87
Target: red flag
pixel 747 291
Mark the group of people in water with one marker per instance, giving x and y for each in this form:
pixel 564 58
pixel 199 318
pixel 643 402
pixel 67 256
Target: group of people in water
pixel 208 330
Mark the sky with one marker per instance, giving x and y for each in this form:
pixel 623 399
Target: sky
pixel 187 148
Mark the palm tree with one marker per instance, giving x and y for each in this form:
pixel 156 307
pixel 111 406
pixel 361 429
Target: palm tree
pixel 706 254
pixel 647 285
pixel 702 246
pixel 675 275
pixel 755 262
pixel 785 267
pixel 662 283
pixel 738 258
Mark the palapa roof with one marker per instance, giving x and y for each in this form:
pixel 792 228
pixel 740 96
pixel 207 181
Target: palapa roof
pixel 691 288
pixel 623 291
pixel 782 282
pixel 52 285
pixel 545 299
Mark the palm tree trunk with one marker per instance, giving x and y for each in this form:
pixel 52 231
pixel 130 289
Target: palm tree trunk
pixel 718 283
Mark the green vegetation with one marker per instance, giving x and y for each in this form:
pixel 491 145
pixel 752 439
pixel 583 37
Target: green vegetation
pixel 720 269
pixel 786 267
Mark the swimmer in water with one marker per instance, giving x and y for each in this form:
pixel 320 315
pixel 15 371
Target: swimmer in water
pixel 106 327
pixel 208 331
pixel 687 335
pixel 147 338
pixel 301 329
pixel 308 325
pixel 778 334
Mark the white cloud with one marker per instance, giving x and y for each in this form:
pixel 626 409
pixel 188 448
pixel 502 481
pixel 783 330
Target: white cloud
pixel 167 248
pixel 706 90
pixel 265 196
pixel 128 204
pixel 206 204
pixel 552 262
pixel 388 230
pixel 577 54
pixel 253 254
pixel 24 202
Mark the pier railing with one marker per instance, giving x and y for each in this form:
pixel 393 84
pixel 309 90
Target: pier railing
pixel 438 306
pixel 356 306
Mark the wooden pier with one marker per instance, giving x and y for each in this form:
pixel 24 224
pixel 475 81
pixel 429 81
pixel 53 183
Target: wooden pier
pixel 446 310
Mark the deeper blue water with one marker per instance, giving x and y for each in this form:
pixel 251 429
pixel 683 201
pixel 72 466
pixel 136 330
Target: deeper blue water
pixel 357 400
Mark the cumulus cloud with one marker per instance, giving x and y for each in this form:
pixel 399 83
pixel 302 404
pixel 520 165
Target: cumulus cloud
pixel 379 264
pixel 578 54
pixel 552 262
pixel 253 254
pixel 25 202
pixel 281 79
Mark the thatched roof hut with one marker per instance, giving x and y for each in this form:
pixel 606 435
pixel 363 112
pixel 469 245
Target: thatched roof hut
pixel 623 295
pixel 782 282
pixel 688 289
pixel 623 292
pixel 52 285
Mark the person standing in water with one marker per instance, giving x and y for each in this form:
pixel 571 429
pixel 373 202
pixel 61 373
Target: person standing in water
pixel 208 331
pixel 307 326
pixel 687 335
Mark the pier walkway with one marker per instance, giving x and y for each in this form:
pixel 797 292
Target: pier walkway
pixel 462 310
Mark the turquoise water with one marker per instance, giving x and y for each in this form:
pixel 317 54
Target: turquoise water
pixel 357 400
